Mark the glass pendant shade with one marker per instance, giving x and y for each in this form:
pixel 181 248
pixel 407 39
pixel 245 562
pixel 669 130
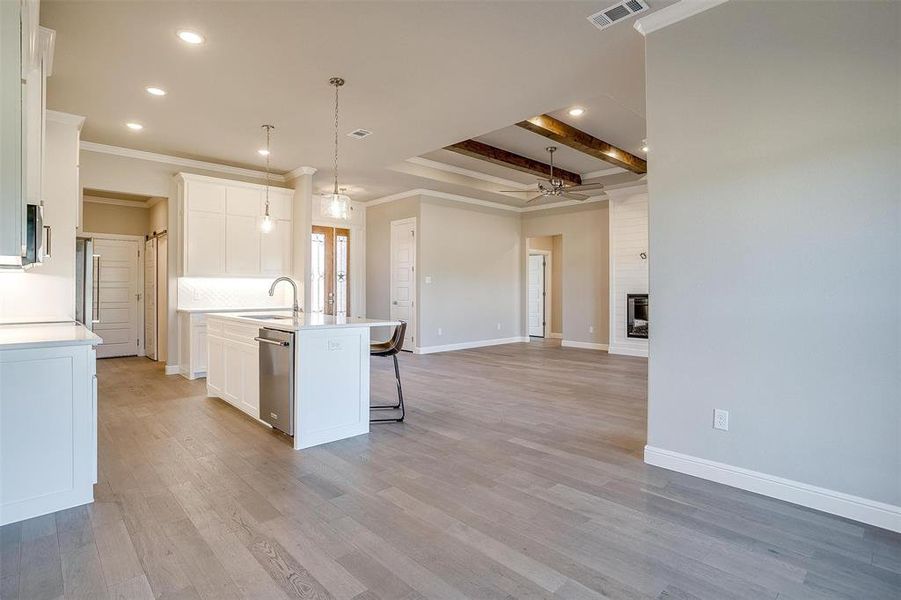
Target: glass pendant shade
pixel 266 224
pixel 336 206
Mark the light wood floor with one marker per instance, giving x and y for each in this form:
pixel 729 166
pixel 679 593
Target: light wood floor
pixel 517 475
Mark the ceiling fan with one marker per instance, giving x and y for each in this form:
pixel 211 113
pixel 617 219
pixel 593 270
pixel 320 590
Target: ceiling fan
pixel 558 187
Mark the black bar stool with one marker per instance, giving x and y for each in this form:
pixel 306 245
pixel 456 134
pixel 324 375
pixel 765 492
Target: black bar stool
pixel 391 348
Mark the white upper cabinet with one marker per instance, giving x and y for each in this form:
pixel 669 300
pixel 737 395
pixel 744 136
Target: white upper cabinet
pixel 221 235
pixel 26 60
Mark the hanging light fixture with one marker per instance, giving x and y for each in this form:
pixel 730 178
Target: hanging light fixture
pixel 336 205
pixel 266 224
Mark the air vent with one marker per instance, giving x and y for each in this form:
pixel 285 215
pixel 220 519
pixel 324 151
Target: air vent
pixel 616 13
pixel 359 133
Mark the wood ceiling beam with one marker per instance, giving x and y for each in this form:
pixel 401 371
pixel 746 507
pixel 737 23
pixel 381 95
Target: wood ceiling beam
pixel 504 158
pixel 586 143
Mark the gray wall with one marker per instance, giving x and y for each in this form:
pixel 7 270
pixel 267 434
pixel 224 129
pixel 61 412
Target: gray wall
pixel 774 240
pixel 473 256
pixel 585 245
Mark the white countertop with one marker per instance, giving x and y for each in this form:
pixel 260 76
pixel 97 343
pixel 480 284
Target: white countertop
pixel 305 321
pixel 45 335
pixel 235 310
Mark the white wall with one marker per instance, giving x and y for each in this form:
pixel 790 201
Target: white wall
pixel 586 292
pixel 628 271
pixel 473 256
pixel 47 292
pixel 775 228
pixel 101 217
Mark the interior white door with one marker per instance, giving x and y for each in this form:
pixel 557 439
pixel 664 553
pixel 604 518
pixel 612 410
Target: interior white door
pixel 150 298
pixel 403 276
pixel 536 295
pixel 117 297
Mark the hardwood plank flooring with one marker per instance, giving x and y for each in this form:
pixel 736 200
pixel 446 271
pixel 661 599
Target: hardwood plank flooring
pixel 518 474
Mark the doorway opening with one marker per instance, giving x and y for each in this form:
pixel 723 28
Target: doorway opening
pixel 402 265
pixel 122 273
pixel 544 289
pixel 330 271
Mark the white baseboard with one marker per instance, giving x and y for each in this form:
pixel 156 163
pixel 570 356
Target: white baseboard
pixel 585 345
pixel 468 345
pixel 555 336
pixel 626 351
pixel 173 369
pixel 860 509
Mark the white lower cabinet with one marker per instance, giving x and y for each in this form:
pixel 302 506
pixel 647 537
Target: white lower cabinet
pixel 234 370
pixel 48 430
pixel 193 345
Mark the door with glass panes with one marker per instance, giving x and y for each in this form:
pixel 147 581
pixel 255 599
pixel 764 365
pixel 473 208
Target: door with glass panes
pixel 330 253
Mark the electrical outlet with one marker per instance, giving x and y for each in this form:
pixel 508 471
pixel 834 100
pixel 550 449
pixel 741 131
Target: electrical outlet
pixel 440 331
pixel 428 279
pixel 591 329
pixel 721 419
pixel 498 326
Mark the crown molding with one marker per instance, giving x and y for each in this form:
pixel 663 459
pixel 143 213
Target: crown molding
pixel 65 118
pixel 617 192
pixel 300 171
pixel 177 160
pixel 433 164
pixel 112 201
pixel 673 14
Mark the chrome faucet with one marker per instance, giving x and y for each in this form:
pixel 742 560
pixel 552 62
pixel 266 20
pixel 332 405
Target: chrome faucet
pixel 297 309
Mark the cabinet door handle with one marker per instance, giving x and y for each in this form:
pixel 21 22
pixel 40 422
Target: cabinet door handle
pixel 96 302
pixel 48 244
pixel 273 342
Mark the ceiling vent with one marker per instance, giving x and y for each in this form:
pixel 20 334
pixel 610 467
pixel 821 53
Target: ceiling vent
pixel 616 13
pixel 359 134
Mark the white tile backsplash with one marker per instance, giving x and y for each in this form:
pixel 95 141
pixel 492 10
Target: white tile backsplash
pixel 232 292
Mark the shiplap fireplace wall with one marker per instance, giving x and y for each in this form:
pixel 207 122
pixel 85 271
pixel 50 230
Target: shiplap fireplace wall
pixel 628 268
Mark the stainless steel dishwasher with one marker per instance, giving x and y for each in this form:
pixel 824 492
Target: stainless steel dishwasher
pixel 277 378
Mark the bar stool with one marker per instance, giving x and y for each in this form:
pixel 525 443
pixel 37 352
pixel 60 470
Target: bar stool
pixel 391 348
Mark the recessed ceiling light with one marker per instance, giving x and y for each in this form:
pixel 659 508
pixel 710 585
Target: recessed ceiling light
pixel 576 111
pixel 155 91
pixel 263 152
pixel 134 126
pixel 190 37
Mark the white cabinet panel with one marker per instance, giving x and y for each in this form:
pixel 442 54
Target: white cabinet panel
pixel 205 243
pixel 280 203
pixel 244 201
pixel 53 467
pixel 242 251
pixel 215 377
pixel 275 249
pixel 205 196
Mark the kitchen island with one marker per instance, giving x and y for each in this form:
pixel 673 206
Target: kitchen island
pixel 329 374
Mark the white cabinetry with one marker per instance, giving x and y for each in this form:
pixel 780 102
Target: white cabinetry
pixel 26 60
pixel 193 354
pixel 234 370
pixel 221 228
pixel 48 430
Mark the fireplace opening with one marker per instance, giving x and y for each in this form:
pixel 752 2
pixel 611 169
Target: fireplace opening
pixel 637 324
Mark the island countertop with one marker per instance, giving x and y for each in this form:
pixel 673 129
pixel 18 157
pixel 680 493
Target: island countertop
pixel 306 321
pixel 45 335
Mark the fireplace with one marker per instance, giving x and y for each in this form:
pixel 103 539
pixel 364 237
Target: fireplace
pixel 637 316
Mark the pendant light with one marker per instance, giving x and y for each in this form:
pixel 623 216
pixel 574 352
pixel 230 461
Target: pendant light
pixel 336 205
pixel 267 223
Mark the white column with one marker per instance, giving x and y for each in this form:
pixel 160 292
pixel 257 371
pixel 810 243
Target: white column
pixel 302 229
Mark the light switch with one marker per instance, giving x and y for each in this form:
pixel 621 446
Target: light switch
pixel 428 279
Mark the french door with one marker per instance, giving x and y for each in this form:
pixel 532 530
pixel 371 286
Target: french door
pixel 330 253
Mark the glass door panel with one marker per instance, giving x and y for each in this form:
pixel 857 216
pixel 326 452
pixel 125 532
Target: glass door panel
pixel 330 270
